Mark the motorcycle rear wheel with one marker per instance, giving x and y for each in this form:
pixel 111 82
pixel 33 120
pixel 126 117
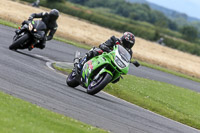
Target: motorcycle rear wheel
pixel 99 84
pixel 17 43
pixel 71 80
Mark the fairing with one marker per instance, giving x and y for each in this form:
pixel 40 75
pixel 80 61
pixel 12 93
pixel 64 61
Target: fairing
pixel 106 63
pixel 39 25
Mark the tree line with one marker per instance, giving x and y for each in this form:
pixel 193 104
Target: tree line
pixel 141 12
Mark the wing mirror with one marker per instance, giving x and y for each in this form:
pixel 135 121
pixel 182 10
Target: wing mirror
pixel 136 63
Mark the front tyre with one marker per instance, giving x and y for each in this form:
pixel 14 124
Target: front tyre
pixel 98 84
pixel 71 80
pixel 17 43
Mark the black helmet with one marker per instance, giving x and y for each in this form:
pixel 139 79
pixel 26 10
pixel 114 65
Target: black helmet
pixel 54 14
pixel 128 40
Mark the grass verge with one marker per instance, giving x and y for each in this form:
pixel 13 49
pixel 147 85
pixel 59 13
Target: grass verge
pixel 168 100
pixel 64 70
pixel 18 116
pixel 174 102
pixel 7 23
pixel 73 43
pixel 169 71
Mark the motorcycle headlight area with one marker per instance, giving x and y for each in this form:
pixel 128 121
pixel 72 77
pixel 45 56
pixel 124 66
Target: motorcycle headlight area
pixel 119 62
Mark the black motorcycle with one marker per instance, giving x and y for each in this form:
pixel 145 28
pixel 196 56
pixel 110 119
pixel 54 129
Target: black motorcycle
pixel 32 33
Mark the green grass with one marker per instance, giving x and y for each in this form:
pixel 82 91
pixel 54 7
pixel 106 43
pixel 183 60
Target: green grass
pixel 10 24
pixel 80 45
pixel 65 70
pixel 18 116
pixel 174 102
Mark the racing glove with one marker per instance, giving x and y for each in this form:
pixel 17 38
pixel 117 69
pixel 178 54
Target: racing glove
pixel 30 18
pixel 105 48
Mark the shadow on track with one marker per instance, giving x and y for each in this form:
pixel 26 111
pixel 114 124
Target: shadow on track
pixel 106 99
pixel 33 56
pixel 100 97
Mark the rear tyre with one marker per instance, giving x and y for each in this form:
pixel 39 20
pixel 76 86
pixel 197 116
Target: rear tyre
pixel 99 84
pixel 17 43
pixel 71 80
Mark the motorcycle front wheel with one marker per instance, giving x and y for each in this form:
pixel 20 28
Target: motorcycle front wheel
pixel 98 84
pixel 17 43
pixel 71 80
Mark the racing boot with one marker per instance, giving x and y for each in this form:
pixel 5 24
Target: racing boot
pixel 39 45
pixel 18 31
pixel 87 57
pixel 30 47
pixel 81 63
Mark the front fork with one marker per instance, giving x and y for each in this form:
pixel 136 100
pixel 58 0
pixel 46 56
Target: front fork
pixel 76 60
pixel 103 70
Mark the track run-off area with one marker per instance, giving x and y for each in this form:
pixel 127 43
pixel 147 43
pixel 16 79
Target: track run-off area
pixel 24 74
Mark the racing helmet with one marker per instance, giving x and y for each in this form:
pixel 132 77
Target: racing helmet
pixel 127 40
pixel 54 14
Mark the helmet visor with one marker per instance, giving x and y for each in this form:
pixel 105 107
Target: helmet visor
pixel 127 44
pixel 53 17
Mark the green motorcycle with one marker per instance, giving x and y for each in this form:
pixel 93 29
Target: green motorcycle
pixel 101 70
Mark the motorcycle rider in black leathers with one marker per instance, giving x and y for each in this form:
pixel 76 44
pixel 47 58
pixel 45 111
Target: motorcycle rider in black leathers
pixel 127 41
pixel 50 20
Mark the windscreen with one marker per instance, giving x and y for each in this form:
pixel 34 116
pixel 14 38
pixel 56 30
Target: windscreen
pixel 124 53
pixel 39 25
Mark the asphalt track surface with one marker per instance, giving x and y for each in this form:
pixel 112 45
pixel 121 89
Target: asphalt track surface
pixel 24 74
